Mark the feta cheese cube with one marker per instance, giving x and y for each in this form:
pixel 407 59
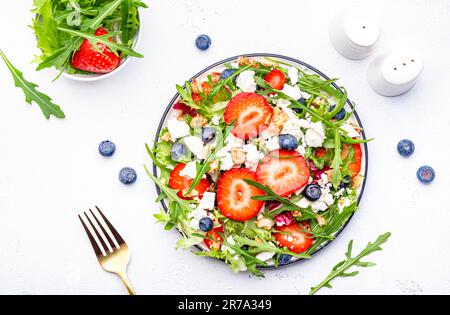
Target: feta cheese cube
pixel 273 144
pixel 315 135
pixel 351 132
pixel 265 256
pixel 178 128
pixel 195 145
pixel 207 202
pixel 293 75
pixel 190 170
pixel 246 82
pixel 292 91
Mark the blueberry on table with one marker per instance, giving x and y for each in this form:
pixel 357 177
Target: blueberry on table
pixel 340 115
pixel 288 142
pixel 206 224
pixel 208 133
pixel 312 192
pixel 107 148
pixel 203 42
pixel 226 74
pixel 127 176
pixel 177 151
pixel 405 147
pixel 425 174
pixel 284 259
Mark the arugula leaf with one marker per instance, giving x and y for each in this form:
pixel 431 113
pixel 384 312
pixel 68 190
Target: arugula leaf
pixel 336 164
pixel 124 25
pixel 104 39
pixel 267 247
pixel 340 269
pixel 271 195
pixel 103 12
pixel 48 108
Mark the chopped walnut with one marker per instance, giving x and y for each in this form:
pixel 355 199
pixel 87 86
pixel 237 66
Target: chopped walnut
pixel 329 174
pixel 215 77
pixel 357 181
pixel 238 155
pixel 195 86
pixel 279 118
pixel 265 223
pixel 213 167
pixel 318 101
pixel 296 214
pixel 198 121
pixel 166 137
pixel 180 116
pixel 321 220
pixel 193 193
pixel 356 127
pixel 243 61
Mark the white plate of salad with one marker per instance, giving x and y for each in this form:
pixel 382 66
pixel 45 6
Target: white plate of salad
pixel 87 40
pixel 259 161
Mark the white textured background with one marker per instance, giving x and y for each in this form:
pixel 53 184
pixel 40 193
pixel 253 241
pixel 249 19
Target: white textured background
pixel 50 170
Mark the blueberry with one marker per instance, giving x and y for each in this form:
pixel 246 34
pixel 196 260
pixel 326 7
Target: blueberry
pixel 313 192
pixel 345 183
pixel 203 42
pixel 284 259
pixel 208 133
pixel 226 74
pixel 177 151
pixel 405 147
pixel 206 224
pixel 340 115
pixel 425 174
pixel 288 142
pixel 127 176
pixel 107 148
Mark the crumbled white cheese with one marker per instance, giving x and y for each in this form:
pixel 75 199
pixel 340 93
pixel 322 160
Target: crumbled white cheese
pixel 252 156
pixel 233 142
pixel 273 144
pixel 301 149
pixel 215 120
pixel 177 128
pixel 265 256
pixel 195 217
pixel 207 202
pixel 343 202
pixel 292 91
pixel 246 81
pixel 195 145
pixel 315 135
pixel 326 199
pixel 226 160
pixel 190 170
pixel 293 75
pixel 351 132
pixel 292 127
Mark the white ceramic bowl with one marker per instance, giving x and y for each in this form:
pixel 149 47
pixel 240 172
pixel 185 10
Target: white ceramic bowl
pixel 97 77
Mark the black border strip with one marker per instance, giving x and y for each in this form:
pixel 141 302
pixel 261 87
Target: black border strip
pixel 366 155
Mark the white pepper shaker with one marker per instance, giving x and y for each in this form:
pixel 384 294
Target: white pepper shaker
pixel 354 32
pixel 396 72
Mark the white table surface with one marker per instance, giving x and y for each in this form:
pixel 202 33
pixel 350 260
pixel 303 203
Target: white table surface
pixel 51 170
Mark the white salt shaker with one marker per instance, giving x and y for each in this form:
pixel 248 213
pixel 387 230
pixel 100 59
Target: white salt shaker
pixel 354 32
pixel 396 72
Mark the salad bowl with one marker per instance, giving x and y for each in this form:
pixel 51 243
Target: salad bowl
pixel 271 258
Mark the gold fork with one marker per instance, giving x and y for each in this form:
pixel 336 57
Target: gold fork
pixel 115 260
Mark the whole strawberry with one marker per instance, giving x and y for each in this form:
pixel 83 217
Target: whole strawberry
pixel 89 59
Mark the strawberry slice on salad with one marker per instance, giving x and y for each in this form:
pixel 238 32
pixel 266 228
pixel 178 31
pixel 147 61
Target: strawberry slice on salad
pixel 234 195
pixel 355 165
pixel 216 241
pixel 283 171
pixel 295 237
pixel 182 184
pixel 87 58
pixel 276 79
pixel 250 112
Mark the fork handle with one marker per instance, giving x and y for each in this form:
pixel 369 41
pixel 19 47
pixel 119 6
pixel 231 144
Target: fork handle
pixel 123 276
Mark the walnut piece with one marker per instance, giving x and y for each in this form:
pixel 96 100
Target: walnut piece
pixel 265 223
pixel 357 181
pixel 238 155
pixel 198 121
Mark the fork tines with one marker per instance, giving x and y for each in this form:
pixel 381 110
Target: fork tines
pixel 100 251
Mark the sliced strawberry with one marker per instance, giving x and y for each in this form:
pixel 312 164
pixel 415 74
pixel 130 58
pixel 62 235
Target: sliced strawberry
pixel 251 114
pixel 321 152
pixel 355 166
pixel 283 171
pixel 214 234
pixel 234 195
pixel 276 79
pixel 182 184
pixel 294 237
pixel 89 59
pixel 196 97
